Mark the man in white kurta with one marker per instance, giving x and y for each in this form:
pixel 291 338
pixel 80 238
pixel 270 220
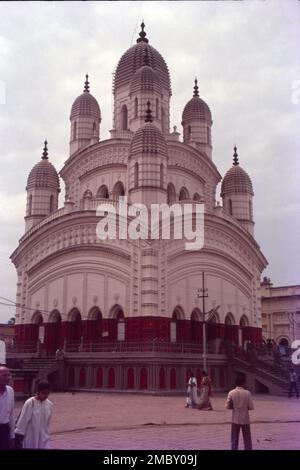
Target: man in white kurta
pixel 33 424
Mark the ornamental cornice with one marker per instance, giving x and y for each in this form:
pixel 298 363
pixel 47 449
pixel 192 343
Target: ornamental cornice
pixel 103 153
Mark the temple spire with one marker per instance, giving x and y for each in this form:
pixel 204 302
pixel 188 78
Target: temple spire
pixel 235 156
pixel 86 84
pixel 148 117
pixel 196 88
pixel 142 34
pixel 45 151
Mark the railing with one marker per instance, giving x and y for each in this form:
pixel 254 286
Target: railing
pixel 134 347
pixel 252 360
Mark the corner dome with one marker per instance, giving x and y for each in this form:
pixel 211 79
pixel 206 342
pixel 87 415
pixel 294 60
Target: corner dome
pixel 43 174
pixel 196 109
pixel 133 59
pixel 236 180
pixel 86 105
pixel 145 79
pixel 148 138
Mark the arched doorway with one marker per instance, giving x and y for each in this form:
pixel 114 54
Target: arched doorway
pixel 144 379
pixel 244 330
pixel 118 190
pixel 54 338
pixel 175 333
pixel 196 333
pixel 130 379
pixel 173 384
pixel 171 194
pixel 82 377
pixel 111 378
pixel 162 378
pixel 231 333
pixel 74 331
pixel 37 329
pixel 94 325
pixel 117 314
pixel 102 192
pixel 183 194
pixel 99 377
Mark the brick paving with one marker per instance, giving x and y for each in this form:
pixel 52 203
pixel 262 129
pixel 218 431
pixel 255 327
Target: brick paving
pixel 126 421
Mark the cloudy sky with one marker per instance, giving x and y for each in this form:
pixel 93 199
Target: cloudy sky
pixel 246 58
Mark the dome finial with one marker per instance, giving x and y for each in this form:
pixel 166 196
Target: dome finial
pixel 86 84
pixel 45 151
pixel 196 88
pixel 146 57
pixel 148 117
pixel 235 156
pixel 142 34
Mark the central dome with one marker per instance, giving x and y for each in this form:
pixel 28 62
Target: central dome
pixel 133 59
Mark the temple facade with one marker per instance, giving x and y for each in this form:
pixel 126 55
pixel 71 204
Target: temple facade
pixel 133 313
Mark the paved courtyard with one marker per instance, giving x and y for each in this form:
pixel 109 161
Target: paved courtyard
pixel 125 421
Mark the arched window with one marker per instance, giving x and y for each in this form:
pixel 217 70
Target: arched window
pixel 183 194
pixel 51 204
pixel 162 119
pixel 118 190
pixel 171 193
pixel 250 210
pixel 75 130
pixel 124 118
pixel 103 192
pixel 136 103
pixel 230 206
pixel 207 136
pixel 196 197
pixel 94 128
pixel 189 129
pixel 30 205
pixel 161 175
pixel 157 108
pixel 136 175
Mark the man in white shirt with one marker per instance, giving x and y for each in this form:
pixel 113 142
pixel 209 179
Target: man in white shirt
pixel 7 401
pixel 240 402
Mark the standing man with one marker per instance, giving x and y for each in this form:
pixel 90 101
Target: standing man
pixel 293 383
pixel 7 400
pixel 240 402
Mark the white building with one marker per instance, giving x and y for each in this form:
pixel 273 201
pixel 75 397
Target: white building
pixel 94 297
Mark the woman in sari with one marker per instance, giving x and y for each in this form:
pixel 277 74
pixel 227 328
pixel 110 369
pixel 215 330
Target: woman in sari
pixel 205 393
